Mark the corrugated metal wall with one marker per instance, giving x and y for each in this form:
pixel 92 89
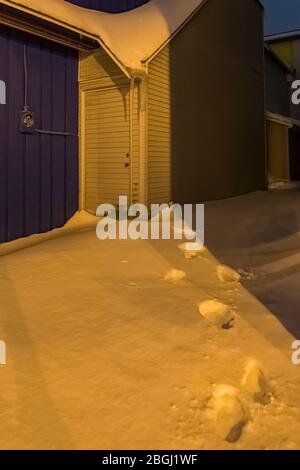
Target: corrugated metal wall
pixel 159 128
pixel 111 6
pixel 104 110
pixel 38 173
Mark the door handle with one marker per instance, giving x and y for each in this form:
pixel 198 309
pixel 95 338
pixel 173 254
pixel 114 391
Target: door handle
pixel 127 161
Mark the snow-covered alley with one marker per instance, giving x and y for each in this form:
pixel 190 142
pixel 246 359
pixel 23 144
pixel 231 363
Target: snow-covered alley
pixel 261 237
pixel 103 353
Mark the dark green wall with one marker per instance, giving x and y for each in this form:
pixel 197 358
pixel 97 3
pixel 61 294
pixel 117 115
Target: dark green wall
pixel 217 86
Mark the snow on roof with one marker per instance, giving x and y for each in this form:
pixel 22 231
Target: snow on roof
pixel 132 37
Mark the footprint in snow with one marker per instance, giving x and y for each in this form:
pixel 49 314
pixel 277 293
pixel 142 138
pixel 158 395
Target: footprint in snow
pixel 255 383
pixel 226 274
pixel 192 250
pixel 175 276
pixel 229 413
pixel 217 313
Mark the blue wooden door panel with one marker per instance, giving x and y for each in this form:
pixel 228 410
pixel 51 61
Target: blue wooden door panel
pixel 111 6
pixel 16 142
pixel 59 145
pixel 32 157
pixel 46 145
pixel 72 113
pixel 38 172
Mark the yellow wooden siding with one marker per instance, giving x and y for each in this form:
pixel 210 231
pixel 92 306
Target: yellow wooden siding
pixel 159 130
pixel 97 64
pixel 278 150
pixel 105 132
pixel 284 50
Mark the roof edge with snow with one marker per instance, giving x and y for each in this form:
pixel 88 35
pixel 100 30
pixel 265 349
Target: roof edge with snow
pixel 130 38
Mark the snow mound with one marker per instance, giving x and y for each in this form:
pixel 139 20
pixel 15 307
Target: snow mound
pixel 82 218
pixel 226 274
pixel 217 313
pixel 192 250
pixel 255 383
pixel 175 276
pixel 230 415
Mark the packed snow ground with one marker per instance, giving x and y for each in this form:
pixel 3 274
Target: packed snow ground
pixel 261 238
pixel 107 348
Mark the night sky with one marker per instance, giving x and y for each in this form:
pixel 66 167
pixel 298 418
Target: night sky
pixel 281 15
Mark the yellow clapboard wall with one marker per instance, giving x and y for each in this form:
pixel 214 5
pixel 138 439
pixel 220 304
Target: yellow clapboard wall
pixel 284 50
pixel 278 150
pixel 105 132
pixel 159 129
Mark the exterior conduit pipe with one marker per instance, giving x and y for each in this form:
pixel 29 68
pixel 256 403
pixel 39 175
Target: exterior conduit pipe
pixel 142 78
pixel 131 100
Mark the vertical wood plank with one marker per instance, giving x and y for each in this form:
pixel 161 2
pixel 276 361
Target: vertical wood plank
pixel 58 142
pixel 4 75
pixel 32 148
pixel 38 172
pixel 16 141
pixel 72 163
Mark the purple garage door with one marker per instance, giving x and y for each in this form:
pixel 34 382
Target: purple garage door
pixel 38 171
pixel 111 6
